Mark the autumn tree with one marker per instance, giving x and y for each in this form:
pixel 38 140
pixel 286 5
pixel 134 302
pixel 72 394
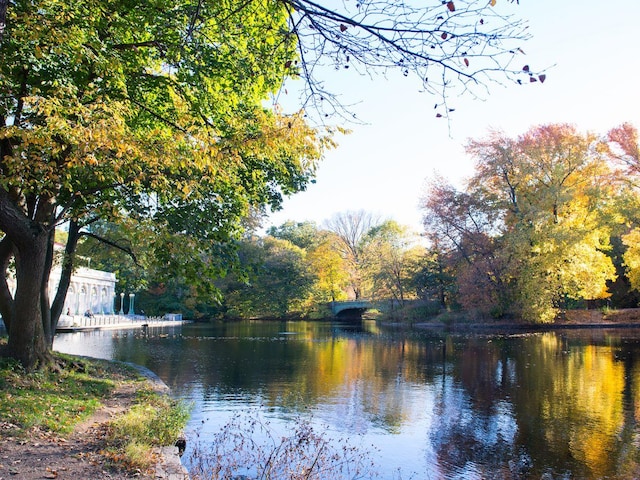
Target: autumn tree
pixel 545 200
pixel 434 279
pixel 624 150
pixel 112 110
pixel 552 186
pixel 323 257
pixel 330 268
pixel 273 280
pixel 462 229
pixel 350 228
pixel 391 258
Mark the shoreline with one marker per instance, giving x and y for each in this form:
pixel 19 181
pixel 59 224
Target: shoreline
pixel 169 466
pixel 40 453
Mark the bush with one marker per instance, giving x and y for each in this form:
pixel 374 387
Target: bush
pixel 237 452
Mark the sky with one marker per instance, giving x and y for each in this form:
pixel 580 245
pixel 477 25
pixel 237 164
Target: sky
pixel 590 53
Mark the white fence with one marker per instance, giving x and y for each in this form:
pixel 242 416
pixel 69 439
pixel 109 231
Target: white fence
pixel 97 321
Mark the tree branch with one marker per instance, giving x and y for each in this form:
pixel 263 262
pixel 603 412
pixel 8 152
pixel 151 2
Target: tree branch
pixel 106 241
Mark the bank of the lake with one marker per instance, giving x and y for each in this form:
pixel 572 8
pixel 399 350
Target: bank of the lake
pixel 83 422
pixel 568 319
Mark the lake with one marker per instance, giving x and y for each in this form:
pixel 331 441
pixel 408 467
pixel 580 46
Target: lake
pixel 419 404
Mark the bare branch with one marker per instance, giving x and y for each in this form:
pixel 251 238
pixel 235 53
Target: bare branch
pixel 450 51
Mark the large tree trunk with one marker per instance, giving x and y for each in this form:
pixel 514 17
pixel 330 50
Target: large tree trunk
pixel 45 310
pixel 27 341
pixel 28 236
pixel 65 276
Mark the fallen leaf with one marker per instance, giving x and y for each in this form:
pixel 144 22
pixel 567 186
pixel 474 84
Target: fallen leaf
pixel 466 62
pixel 343 27
pixel 525 68
pixel 444 35
pixel 492 3
pixel 451 6
pixel 542 77
pixel 51 473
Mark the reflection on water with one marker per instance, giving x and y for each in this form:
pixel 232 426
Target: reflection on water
pixel 554 405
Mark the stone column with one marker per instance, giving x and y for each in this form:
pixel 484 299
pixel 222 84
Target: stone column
pixel 132 297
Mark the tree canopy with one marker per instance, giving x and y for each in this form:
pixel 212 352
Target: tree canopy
pixel 149 112
pixel 532 229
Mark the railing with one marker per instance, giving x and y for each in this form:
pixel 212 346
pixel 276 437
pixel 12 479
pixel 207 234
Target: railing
pixel 71 321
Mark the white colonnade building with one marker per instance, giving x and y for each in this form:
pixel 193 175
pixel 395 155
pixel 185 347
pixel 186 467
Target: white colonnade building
pixel 89 291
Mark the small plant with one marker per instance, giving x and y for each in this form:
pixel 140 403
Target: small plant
pixel 247 447
pixel 155 421
pixel 606 310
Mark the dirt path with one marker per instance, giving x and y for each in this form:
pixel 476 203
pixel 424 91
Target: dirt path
pixel 41 455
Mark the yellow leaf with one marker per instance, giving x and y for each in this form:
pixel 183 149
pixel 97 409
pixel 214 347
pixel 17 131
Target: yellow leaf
pixel 492 3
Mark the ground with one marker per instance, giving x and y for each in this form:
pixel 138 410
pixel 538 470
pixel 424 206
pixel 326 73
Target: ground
pixel 40 455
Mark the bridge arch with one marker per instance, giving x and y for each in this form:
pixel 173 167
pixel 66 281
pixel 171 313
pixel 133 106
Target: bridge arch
pixel 350 309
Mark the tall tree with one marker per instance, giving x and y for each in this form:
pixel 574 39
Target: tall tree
pixel 274 282
pixel 351 228
pixel 624 149
pixel 534 223
pixel 392 256
pixel 464 228
pixel 302 234
pixel 113 110
pixel 554 186
pixel 330 268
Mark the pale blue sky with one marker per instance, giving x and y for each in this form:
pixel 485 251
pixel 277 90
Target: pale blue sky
pixel 592 51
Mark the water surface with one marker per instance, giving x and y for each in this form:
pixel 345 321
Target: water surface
pixel 430 405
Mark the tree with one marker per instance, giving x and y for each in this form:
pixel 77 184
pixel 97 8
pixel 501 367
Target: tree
pixel 624 149
pixel 391 258
pixel 623 146
pixel 273 281
pixel 155 112
pixel 464 231
pixel 531 232
pixel 451 47
pixel 322 257
pixel 434 279
pixel 551 185
pixel 301 234
pixel 112 111
pixel 351 228
pixel 330 269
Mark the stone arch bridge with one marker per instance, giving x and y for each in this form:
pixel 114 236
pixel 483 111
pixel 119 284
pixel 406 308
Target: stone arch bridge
pixel 353 309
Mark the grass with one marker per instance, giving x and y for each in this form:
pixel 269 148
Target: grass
pixel 155 421
pixel 249 447
pixel 52 401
